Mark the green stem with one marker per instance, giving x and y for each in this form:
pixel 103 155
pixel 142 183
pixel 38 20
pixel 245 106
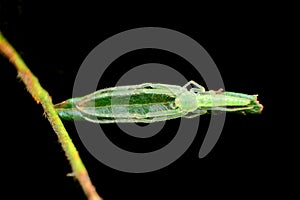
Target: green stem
pixel 41 96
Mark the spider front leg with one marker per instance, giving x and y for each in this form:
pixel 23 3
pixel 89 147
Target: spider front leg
pixel 199 89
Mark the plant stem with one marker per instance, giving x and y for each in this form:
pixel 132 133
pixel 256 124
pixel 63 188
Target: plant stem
pixel 41 96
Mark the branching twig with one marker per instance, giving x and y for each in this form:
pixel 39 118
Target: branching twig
pixel 41 96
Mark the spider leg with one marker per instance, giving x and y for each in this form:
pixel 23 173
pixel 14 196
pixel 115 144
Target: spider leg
pixel 199 87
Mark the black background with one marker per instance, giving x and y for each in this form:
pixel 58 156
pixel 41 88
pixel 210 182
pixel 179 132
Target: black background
pixel 54 38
